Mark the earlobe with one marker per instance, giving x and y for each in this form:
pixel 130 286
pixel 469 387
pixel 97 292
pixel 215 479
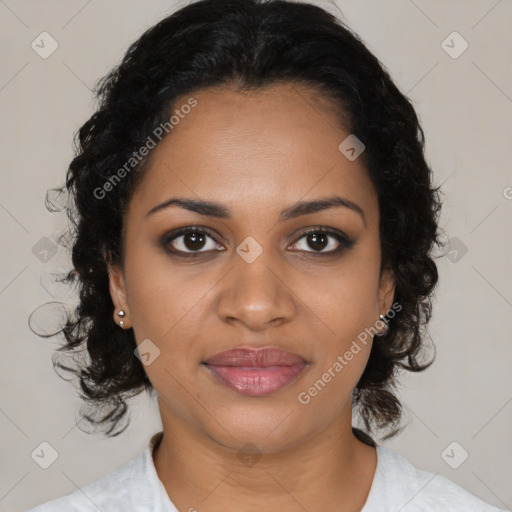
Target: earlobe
pixel 117 290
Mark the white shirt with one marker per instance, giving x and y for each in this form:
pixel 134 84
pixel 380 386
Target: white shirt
pixel 397 486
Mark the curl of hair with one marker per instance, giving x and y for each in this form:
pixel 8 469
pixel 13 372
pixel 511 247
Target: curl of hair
pixel 248 44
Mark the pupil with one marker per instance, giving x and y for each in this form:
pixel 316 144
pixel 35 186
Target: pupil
pixel 197 240
pixel 314 239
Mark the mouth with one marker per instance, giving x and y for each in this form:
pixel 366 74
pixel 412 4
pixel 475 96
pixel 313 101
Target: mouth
pixel 255 372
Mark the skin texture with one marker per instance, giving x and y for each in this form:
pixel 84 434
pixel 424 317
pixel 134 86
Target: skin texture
pixel 256 153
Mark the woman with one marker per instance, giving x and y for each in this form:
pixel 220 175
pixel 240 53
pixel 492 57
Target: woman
pixel 254 222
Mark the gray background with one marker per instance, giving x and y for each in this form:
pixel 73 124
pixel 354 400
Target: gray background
pixel 465 105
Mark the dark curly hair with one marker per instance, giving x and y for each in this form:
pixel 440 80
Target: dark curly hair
pixel 249 44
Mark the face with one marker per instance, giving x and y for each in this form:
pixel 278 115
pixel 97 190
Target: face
pixel 261 272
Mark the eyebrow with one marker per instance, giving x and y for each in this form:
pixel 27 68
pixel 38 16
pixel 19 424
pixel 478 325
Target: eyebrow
pixel 212 209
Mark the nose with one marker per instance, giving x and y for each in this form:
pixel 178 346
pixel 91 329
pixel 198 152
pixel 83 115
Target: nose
pixel 256 295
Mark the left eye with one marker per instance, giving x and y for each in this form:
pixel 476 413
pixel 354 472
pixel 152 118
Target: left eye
pixel 319 240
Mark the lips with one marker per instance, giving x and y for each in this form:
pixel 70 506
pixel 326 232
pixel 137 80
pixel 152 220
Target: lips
pixel 255 372
pixel 259 358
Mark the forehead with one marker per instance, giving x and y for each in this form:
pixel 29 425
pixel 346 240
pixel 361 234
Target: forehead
pixel 259 149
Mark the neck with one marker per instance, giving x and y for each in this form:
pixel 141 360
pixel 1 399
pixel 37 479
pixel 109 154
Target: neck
pixel 330 471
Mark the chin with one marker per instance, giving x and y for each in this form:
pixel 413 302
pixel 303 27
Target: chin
pixel 271 429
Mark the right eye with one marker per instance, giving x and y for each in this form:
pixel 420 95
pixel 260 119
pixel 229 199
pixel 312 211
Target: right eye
pixel 189 241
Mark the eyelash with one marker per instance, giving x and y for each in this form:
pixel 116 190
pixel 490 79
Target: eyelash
pixel 343 240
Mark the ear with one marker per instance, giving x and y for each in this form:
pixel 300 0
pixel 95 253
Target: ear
pixel 118 294
pixel 386 290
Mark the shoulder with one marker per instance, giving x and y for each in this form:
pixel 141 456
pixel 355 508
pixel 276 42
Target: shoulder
pixel 134 486
pixel 400 485
pixel 107 494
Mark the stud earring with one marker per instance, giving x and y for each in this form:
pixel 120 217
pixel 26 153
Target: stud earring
pixel 383 319
pixel 121 313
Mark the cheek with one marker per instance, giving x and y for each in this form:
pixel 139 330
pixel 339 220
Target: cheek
pixel 158 292
pixel 328 391
pixel 348 300
pixel 171 307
